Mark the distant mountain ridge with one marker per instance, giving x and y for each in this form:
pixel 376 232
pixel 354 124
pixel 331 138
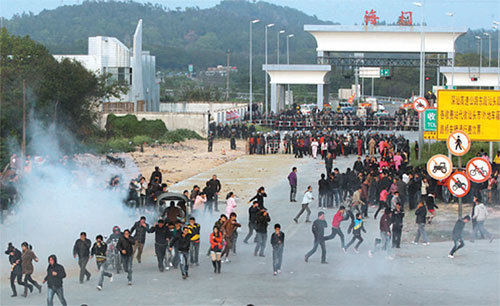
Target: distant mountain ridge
pixel 177 37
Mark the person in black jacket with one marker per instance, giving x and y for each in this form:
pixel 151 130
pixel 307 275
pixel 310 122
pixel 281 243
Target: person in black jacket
pixel 421 214
pixel 162 234
pixel 261 221
pixel 82 250
pixel 318 229
pixel 141 228
pixel 358 165
pixel 328 164
pixel 16 269
pixel 183 243
pixel 322 192
pixel 54 279
pixel 259 197
pixel 252 215
pixel 126 247
pixel 156 175
pixel 457 235
pixel 278 243
pixel 215 185
pixel 397 225
pixel 99 250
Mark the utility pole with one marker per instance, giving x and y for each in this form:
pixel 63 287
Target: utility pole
pixel 23 145
pixel 228 69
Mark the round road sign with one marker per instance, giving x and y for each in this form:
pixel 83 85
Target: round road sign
pixel 478 170
pixel 420 104
pixel 458 143
pixel 439 167
pixel 458 184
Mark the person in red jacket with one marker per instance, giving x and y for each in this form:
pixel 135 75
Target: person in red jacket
pixel 384 242
pixel 216 248
pixel 336 230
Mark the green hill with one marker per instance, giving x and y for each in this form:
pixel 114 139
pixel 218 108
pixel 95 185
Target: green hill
pixel 177 37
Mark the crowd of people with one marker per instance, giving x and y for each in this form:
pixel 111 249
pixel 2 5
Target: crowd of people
pixel 383 179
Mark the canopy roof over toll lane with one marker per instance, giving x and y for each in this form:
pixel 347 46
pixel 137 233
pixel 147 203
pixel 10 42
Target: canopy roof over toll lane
pixel 295 74
pixel 472 76
pixel 406 39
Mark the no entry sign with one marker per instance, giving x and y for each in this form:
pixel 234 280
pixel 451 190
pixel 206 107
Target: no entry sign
pixel 420 104
pixel 458 143
pixel 478 170
pixel 459 184
pixel 439 167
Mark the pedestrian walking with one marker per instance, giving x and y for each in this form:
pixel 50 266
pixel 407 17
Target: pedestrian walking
pixel 162 234
pixel 278 244
pixel 336 230
pixel 292 180
pixel 216 248
pixel 318 230
pixel 261 222
pixel 384 243
pixel 252 216
pixel 356 227
pixel 82 250
pixel 99 250
pixel 308 198
pixel 480 215
pixel 126 247
pixel 421 214
pixel 141 228
pixel 27 258
pixel 259 197
pixel 54 279
pixel 194 250
pixel 458 241
pixel 397 225
pixel 16 272
pixel 183 243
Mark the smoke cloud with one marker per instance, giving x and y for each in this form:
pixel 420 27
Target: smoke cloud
pixel 62 197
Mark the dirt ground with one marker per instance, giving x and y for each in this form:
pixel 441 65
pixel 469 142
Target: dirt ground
pixel 180 161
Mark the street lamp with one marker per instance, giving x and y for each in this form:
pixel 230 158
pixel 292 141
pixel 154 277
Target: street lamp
pixel 278 50
pixel 489 48
pixel 251 93
pixel 496 25
pixel 451 14
pixel 480 51
pixel 288 58
pixel 266 99
pixel 422 77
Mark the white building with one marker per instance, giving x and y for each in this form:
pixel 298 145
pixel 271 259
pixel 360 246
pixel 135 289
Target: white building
pixel 108 55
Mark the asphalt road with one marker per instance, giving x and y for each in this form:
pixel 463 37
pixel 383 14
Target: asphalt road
pixel 419 275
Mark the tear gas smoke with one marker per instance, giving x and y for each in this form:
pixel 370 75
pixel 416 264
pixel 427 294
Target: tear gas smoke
pixel 58 200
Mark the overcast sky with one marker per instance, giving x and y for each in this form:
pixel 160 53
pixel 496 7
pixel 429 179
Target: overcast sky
pixel 470 13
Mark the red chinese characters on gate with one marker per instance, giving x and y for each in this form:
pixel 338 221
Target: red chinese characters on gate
pixel 371 17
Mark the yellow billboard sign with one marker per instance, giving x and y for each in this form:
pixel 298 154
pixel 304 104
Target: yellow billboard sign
pixel 476 112
pixel 430 135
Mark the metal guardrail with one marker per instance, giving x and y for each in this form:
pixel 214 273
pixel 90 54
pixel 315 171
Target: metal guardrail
pixel 400 124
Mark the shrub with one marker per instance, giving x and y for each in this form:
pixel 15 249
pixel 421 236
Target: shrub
pixel 128 126
pixel 179 136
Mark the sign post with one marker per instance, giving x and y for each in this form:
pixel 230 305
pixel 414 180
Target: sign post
pixel 430 120
pixel 478 170
pixel 458 144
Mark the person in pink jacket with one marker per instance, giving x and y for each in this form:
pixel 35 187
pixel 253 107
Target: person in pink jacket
pixel 230 203
pixel 336 230
pixel 199 203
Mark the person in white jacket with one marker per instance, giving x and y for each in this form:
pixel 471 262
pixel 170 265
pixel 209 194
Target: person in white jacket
pixel 480 215
pixel 308 198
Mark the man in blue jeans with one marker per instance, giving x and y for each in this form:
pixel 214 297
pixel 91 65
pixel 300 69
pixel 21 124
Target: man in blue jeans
pixel 278 243
pixel 261 223
pixel 54 279
pixel 126 247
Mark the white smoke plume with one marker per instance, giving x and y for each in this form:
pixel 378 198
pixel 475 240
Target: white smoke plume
pixel 59 200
